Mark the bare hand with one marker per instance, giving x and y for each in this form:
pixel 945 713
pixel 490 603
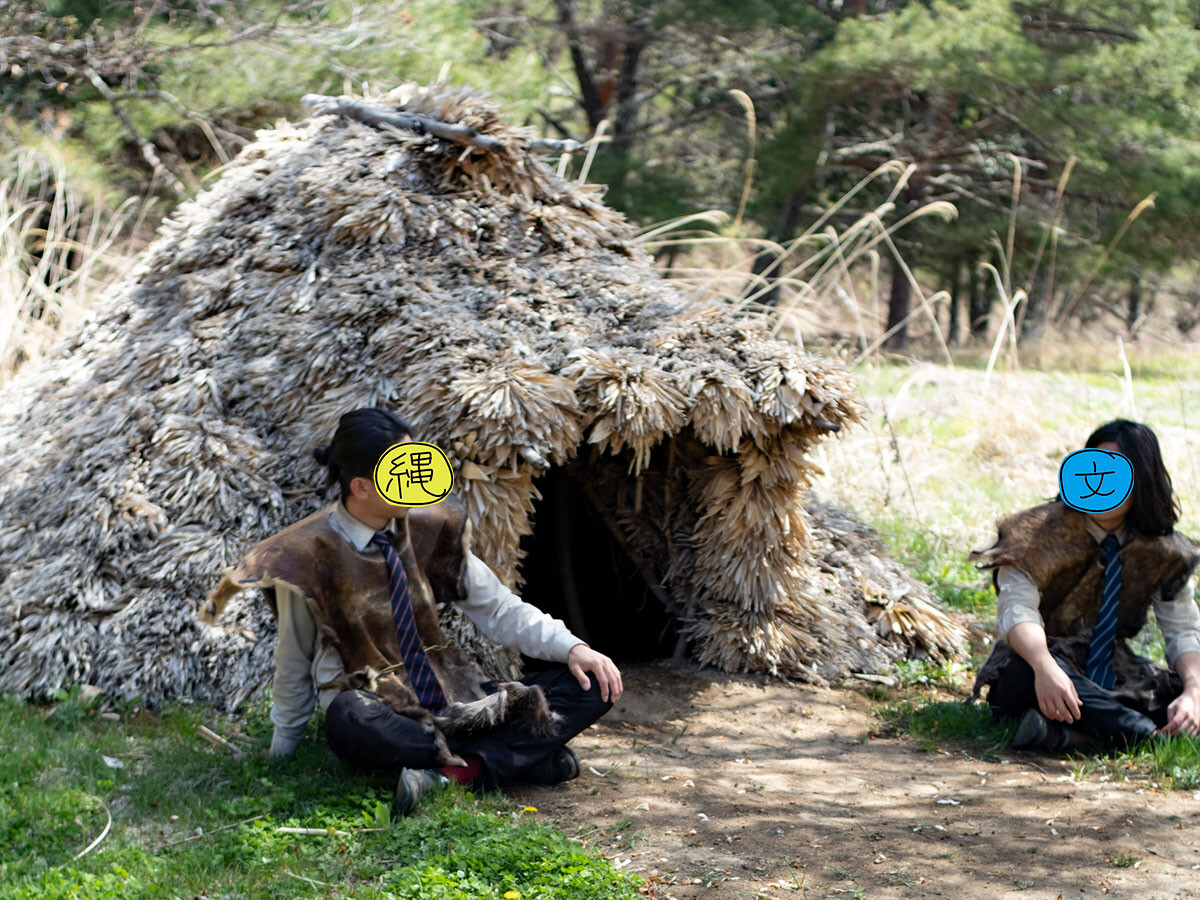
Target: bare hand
pixel 1056 694
pixel 583 659
pixel 1183 715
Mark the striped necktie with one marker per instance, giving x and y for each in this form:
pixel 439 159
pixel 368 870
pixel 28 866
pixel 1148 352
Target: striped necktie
pixel 1105 631
pixel 420 672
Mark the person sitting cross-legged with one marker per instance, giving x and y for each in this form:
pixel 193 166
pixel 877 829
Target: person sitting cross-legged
pixel 1073 587
pixel 355 589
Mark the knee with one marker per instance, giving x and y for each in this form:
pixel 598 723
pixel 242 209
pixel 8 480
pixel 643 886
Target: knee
pixel 345 709
pixel 592 700
pixel 565 688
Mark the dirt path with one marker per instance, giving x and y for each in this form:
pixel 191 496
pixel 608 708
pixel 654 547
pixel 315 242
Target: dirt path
pixel 720 786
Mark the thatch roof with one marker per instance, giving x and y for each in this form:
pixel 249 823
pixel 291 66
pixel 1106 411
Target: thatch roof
pixel 504 311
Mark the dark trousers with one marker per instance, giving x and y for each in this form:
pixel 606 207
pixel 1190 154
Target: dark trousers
pixel 1102 716
pixel 368 734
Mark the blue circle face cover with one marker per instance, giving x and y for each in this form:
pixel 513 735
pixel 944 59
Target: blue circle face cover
pixel 1095 481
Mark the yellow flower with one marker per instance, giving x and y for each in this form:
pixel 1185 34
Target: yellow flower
pixel 529 809
pixel 512 895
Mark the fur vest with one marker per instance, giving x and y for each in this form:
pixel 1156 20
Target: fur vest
pixel 1051 544
pixel 346 590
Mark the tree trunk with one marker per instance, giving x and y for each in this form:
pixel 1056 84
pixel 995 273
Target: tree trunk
pixel 900 302
pixel 980 303
pixel 785 227
pixel 956 276
pixel 589 93
pixel 666 257
pixel 1135 299
pixel 1036 304
pixel 625 120
pixel 626 117
pixel 898 308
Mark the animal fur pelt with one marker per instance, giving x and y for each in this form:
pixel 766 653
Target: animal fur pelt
pixel 1051 544
pixel 504 311
pixel 347 592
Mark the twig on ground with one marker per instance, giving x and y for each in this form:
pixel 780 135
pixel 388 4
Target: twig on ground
pixel 196 837
pixel 103 834
pixel 213 738
pixel 309 880
pixel 329 832
pixel 887 680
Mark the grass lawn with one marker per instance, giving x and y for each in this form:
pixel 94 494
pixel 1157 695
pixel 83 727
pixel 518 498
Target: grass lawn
pixel 191 820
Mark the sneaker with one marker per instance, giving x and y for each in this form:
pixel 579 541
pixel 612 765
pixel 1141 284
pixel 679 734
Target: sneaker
pixel 1036 732
pixel 412 785
pixel 561 765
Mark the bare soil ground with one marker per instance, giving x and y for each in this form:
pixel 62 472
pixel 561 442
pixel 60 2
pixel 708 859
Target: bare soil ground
pixel 719 786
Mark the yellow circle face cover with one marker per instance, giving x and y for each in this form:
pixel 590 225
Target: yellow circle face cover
pixel 414 473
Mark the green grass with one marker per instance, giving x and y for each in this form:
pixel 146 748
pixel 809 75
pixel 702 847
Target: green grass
pixel 55 787
pixel 1170 762
pixel 951 576
pixel 948 673
pixel 933 722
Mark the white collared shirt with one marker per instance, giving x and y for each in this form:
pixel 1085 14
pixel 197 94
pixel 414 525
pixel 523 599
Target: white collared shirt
pixel 303 661
pixel 1018 599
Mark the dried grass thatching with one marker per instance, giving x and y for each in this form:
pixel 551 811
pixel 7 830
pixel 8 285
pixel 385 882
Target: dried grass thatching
pixel 506 312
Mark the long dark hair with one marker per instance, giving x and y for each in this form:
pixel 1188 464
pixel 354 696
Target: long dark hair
pixel 361 437
pixel 1155 508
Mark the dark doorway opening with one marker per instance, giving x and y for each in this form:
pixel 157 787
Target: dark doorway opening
pixel 619 613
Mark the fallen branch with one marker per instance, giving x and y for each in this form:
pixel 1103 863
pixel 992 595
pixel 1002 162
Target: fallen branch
pixel 196 837
pixel 309 880
pixel 460 134
pixel 886 680
pixel 325 831
pixel 555 146
pixel 213 738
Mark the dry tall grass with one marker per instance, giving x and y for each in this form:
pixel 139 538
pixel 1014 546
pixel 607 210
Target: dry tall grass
pixel 820 270
pixel 58 251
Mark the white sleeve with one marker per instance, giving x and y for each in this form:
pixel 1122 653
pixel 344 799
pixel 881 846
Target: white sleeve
pixel 1179 620
pixel 1017 600
pixel 508 620
pixel 293 695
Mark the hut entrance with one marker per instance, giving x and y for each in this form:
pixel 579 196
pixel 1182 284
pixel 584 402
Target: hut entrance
pixel 572 549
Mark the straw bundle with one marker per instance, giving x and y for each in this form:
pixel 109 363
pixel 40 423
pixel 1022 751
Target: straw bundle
pixel 506 312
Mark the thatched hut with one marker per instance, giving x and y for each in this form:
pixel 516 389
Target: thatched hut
pixel 632 458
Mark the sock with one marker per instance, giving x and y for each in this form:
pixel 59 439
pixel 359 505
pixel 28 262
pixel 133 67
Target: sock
pixel 472 771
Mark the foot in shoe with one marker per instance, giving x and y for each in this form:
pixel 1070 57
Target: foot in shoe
pixel 561 765
pixel 1036 732
pixel 411 786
